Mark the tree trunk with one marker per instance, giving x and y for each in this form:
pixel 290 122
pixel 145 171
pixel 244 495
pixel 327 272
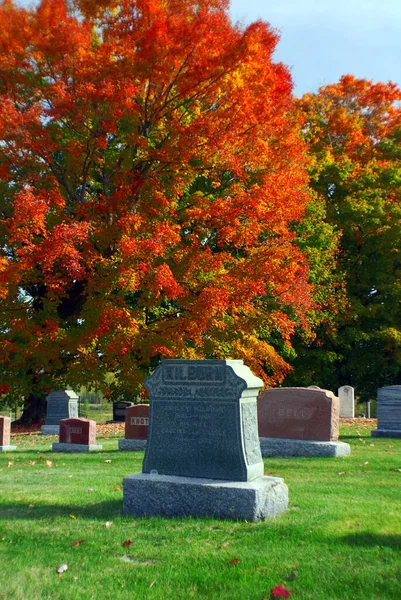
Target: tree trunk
pixel 34 410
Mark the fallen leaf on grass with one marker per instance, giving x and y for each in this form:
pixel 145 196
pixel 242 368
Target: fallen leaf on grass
pixel 343 473
pixel 32 462
pixel 61 569
pixel 73 517
pixel 108 524
pixel 152 584
pixel 292 576
pixel 225 544
pixel 89 490
pixel 108 460
pixel 49 463
pixel 233 561
pixel 127 543
pixel 371 444
pixel 78 543
pixel 31 506
pixel 364 463
pixel 281 592
pixel 118 488
pixel 10 463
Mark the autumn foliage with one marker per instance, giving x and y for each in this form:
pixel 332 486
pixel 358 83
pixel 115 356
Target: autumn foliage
pixel 353 131
pixel 151 168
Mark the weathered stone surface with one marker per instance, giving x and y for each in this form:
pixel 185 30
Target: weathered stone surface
pixel 61 404
pixel 203 420
pixel 288 447
pixel 298 413
pixel 64 447
pixel 132 444
pixel 5 430
pixel 388 412
pixel 347 403
pixel 170 496
pixel 78 431
pixel 137 422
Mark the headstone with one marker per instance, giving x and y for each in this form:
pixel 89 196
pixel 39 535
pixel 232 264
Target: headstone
pixel 119 409
pixel 203 454
pixel 299 422
pixel 388 412
pixel 61 404
pixel 136 428
pixel 347 404
pixel 5 429
pixel 77 435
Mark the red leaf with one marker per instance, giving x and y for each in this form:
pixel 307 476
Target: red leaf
pixel 233 561
pixel 280 592
pixel 78 543
pixel 127 543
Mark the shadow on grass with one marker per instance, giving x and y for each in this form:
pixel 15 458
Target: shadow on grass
pixel 373 539
pixel 99 511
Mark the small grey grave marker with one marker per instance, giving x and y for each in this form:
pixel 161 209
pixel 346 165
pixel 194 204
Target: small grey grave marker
pixel 61 404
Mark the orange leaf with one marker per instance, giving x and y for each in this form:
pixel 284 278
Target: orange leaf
pixel 78 543
pixel 127 543
pixel 233 561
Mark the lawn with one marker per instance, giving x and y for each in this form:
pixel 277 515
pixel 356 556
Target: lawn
pixel 340 538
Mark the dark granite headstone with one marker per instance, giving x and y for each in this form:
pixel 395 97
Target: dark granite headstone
pixel 119 409
pixel 77 431
pixel 388 412
pixel 61 404
pixel 203 420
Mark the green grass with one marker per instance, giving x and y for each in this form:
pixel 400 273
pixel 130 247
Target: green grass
pixel 341 535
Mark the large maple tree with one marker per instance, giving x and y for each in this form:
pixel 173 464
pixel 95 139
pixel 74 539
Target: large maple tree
pixel 353 129
pixel 151 168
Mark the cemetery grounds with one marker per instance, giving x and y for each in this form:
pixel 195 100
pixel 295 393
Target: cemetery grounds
pixel 340 538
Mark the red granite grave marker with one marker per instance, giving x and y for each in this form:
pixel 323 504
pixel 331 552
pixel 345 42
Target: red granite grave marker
pixel 137 422
pixel 298 413
pixel 77 431
pixel 5 425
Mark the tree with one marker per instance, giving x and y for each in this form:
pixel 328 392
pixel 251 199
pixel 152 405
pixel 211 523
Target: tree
pixel 353 129
pixel 151 169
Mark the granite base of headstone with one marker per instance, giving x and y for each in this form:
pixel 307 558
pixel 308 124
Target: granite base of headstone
pixel 5 434
pixel 346 396
pixel 136 428
pixel 388 412
pixel 299 422
pixel 61 404
pixel 203 454
pixel 77 435
pixel 281 447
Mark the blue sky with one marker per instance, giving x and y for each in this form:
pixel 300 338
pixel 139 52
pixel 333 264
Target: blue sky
pixel 324 39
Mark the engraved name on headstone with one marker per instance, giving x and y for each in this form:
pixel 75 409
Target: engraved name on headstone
pixel 137 422
pixel 203 420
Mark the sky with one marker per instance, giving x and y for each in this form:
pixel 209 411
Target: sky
pixel 324 39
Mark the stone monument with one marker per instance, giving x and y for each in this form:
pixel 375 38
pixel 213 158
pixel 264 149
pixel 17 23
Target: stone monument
pixel 5 428
pixel 203 454
pixel 136 428
pixel 61 404
pixel 347 404
pixel 119 410
pixel 388 412
pixel 299 422
pixel 77 435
